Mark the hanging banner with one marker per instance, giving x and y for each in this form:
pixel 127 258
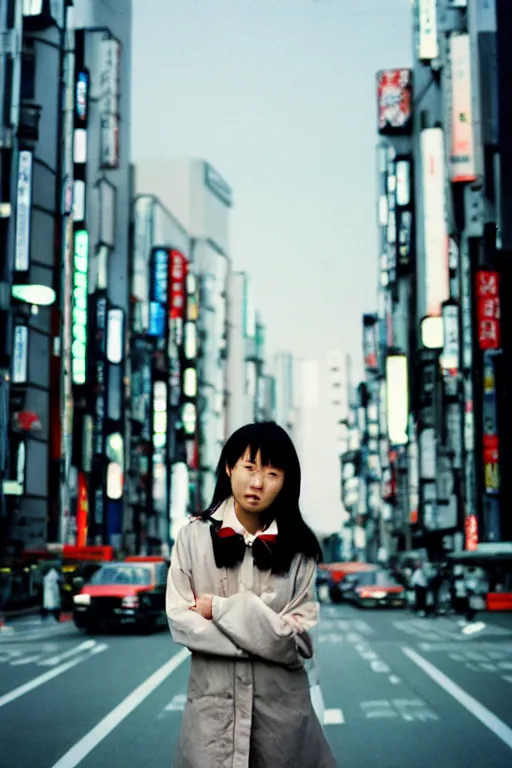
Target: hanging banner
pixel 462 157
pixel 488 309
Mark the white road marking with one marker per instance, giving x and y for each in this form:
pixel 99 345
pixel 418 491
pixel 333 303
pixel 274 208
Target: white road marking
pixel 473 706
pixel 25 660
pixel 44 678
pixel 91 740
pixel 87 645
pixel 507 678
pixel 333 717
pixel 177 704
pixel 394 680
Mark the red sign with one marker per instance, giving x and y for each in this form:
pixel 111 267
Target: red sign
pixel 177 277
pixel 82 511
pixel 488 309
pixel 27 420
pixel 394 95
pixel 88 553
pixel 471 533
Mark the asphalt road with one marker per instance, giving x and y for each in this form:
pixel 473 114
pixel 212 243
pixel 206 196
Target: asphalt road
pixel 399 692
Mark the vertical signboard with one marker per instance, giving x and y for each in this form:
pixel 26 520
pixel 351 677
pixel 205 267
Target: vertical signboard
pixel 462 156
pixel 371 361
pixel 158 293
pixel 490 428
pixel 110 55
pixel 428 43
pixel 23 207
pixel 20 355
pixel 394 101
pixel 79 307
pixel 435 227
pixel 488 309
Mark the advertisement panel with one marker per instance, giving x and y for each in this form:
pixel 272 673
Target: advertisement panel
pixel 20 355
pixel 79 307
pixel 488 309
pixel 450 355
pixel 435 227
pixel 23 208
pixel 371 362
pixel 158 293
pixel 462 156
pixel 428 43
pixel 394 101
pixel 397 390
pixel 490 429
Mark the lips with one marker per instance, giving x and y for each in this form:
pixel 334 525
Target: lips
pixel 252 497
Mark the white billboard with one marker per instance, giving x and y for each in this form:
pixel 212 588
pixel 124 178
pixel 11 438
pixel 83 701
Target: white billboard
pixel 435 226
pixel 462 155
pixel 397 405
pixel 428 43
pixel 23 206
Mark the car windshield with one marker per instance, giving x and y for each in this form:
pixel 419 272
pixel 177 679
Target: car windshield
pixel 377 579
pixel 123 574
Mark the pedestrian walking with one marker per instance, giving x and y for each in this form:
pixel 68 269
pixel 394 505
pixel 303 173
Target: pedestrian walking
pixel 420 586
pixel 241 597
pixel 51 594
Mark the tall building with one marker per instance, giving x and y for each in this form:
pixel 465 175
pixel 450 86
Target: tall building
pixel 160 337
pixel 285 397
pixel 99 275
pixel 35 71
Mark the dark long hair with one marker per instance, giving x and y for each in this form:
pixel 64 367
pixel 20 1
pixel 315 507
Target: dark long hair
pixel 277 450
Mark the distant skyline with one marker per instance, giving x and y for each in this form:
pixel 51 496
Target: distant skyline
pixel 279 95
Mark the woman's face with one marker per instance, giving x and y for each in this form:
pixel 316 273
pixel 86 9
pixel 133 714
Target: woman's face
pixel 255 486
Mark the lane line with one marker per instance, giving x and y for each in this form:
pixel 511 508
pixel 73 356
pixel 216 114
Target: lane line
pixel 85 646
pixel 41 680
pixel 333 717
pixel 82 748
pixel 484 715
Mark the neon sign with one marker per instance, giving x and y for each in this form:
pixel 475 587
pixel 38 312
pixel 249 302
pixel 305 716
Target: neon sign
pixel 79 307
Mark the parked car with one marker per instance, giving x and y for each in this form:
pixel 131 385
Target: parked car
pixel 375 590
pixel 131 592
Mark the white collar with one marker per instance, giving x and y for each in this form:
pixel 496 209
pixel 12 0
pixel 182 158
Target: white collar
pixel 226 513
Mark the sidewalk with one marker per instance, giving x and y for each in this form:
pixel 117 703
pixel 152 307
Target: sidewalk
pixel 32 627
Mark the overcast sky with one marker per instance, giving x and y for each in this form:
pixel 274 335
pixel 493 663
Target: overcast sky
pixel 279 95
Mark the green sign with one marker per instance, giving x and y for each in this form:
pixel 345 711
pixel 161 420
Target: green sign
pixel 79 307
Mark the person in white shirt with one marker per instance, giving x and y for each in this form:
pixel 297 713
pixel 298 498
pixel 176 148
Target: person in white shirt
pixel 420 585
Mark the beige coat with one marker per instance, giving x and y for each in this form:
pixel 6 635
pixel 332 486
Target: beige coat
pixel 248 702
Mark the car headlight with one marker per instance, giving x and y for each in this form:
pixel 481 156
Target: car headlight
pixel 379 595
pixel 130 601
pixel 82 599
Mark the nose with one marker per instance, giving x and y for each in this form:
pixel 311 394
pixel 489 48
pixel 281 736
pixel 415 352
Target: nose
pixel 257 479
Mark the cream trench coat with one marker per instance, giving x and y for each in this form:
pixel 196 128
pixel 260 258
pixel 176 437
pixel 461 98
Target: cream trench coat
pixel 248 703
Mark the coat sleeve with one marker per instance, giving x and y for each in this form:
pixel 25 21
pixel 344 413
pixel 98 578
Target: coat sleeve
pixel 278 637
pixel 188 628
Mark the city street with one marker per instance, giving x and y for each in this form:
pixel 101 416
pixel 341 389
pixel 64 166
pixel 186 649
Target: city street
pixel 399 692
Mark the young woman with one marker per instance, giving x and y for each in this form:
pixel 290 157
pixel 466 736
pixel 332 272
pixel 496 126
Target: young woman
pixel 241 597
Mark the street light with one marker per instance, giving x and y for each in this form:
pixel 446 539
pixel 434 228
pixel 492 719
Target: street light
pixel 36 295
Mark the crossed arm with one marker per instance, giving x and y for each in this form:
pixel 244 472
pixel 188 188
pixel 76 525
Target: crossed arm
pixel 242 625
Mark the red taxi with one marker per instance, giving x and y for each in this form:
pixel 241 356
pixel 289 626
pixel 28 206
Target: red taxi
pixel 129 592
pixel 377 589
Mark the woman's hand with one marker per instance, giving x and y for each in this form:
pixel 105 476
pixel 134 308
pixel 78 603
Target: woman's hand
pixel 203 606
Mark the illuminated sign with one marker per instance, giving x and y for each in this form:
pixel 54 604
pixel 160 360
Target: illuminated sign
pixel 462 158
pixel 397 391
pixel 394 98
pixel 20 354
pixel 428 43
pixel 491 453
pixel 81 96
pixel 488 309
pixel 435 227
pixel 450 355
pixel 23 207
pixel 177 278
pixel 79 307
pixel 159 293
pixel 471 533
